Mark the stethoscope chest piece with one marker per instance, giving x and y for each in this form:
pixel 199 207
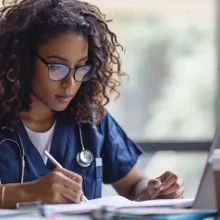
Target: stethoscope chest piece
pixel 84 158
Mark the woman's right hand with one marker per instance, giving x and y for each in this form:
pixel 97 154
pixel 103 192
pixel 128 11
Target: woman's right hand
pixel 58 187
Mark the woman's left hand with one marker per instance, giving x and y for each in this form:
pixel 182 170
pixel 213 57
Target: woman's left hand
pixel 167 186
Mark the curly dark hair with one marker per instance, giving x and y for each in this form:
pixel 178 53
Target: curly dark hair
pixel 26 24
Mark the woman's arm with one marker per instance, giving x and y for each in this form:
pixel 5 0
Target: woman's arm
pixel 14 193
pixel 131 186
pixel 59 186
pixel 136 187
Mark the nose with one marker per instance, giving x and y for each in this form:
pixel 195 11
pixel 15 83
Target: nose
pixel 69 81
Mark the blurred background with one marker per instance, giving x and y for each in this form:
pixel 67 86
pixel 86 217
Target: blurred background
pixel 170 103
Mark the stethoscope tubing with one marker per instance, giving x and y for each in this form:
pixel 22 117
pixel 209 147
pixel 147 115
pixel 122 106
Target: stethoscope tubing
pixel 82 162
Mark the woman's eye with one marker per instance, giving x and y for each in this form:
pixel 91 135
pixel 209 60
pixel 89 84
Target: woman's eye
pixel 57 66
pixel 54 67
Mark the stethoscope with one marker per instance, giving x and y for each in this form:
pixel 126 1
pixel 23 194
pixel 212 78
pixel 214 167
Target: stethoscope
pixel 84 158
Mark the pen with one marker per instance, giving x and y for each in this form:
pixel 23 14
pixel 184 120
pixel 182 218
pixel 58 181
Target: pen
pixel 52 159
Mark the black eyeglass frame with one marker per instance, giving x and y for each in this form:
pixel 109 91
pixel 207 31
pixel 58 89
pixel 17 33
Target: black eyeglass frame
pixel 73 69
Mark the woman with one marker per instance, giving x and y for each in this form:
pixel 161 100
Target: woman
pixel 58 66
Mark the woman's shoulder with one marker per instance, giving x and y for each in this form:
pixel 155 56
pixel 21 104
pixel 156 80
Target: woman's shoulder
pixel 107 122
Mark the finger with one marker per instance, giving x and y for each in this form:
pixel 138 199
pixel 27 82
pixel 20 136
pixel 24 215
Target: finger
pixel 175 195
pixel 168 182
pixel 154 184
pixel 70 195
pixel 59 200
pixel 70 174
pixel 67 182
pixel 180 193
pixel 173 188
pixel 165 176
pixel 56 197
pixel 81 196
pixel 74 186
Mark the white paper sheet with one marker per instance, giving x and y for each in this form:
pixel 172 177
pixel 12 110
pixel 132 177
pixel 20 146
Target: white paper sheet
pixel 119 202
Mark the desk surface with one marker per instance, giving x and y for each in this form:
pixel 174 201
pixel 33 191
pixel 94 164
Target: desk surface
pixel 37 216
pixel 34 213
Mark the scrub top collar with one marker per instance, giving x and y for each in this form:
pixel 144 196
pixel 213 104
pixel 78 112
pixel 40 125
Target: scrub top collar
pixel 58 150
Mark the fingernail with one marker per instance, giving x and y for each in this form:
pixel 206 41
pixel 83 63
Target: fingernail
pixel 162 187
pixel 157 185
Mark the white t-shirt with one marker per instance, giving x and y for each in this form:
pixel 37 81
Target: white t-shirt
pixel 42 141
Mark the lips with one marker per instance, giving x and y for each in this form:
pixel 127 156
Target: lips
pixel 64 98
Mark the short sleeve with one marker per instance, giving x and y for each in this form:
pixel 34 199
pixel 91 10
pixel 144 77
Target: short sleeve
pixel 119 153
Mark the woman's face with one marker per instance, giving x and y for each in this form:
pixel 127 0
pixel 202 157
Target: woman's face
pixel 68 49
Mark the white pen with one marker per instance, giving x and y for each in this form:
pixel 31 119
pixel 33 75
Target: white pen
pixel 52 159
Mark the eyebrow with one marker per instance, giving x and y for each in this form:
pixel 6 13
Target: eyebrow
pixel 64 59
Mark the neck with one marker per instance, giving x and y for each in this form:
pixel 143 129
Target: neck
pixel 39 117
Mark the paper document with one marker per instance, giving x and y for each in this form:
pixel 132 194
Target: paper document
pixel 118 202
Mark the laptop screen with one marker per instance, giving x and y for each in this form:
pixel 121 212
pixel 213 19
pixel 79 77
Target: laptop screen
pixel 205 197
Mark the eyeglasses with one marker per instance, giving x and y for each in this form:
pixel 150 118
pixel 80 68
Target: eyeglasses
pixel 58 72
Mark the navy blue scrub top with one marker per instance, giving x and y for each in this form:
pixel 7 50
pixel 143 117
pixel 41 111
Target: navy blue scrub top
pixel 108 141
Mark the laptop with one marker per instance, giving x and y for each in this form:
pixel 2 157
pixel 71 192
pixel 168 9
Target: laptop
pixel 206 195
